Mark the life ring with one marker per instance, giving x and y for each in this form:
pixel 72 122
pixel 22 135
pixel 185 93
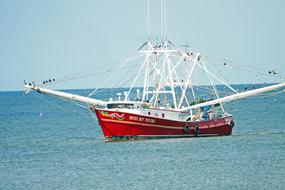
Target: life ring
pixel 186 128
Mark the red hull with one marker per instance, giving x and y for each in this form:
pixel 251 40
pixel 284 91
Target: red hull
pixel 120 124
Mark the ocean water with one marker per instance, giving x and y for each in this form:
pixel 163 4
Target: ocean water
pixel 48 143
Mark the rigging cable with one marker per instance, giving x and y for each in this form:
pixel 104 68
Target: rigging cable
pixel 110 76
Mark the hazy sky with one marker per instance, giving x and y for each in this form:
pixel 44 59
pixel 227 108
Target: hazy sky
pixel 40 39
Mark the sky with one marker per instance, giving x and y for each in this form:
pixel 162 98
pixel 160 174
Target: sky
pixel 41 39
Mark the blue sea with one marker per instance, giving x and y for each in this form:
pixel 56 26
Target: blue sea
pixel 49 143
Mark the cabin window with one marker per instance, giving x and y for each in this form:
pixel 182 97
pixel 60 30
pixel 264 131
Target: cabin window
pixel 148 113
pixel 162 115
pixel 120 106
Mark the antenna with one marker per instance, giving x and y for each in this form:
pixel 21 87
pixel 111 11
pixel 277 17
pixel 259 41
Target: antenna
pixel 165 36
pixel 148 26
pixel 186 46
pixel 163 19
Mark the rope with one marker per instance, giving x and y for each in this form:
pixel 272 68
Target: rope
pixel 77 76
pixel 57 105
pixel 110 76
pixel 242 67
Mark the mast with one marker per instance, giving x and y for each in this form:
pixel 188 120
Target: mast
pixel 146 77
pixel 188 80
pixel 172 85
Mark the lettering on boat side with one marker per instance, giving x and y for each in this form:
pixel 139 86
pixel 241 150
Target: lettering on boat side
pixel 113 115
pixel 141 119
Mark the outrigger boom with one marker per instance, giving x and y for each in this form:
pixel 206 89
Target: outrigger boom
pixel 236 96
pixel 95 102
pixel 74 97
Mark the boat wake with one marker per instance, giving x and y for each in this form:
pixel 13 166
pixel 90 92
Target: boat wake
pixel 259 133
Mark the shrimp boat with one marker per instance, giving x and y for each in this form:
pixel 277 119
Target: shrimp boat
pixel 168 105
pixel 162 99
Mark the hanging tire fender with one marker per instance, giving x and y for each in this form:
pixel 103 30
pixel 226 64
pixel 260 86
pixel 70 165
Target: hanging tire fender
pixel 186 128
pixel 196 130
pixel 232 124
